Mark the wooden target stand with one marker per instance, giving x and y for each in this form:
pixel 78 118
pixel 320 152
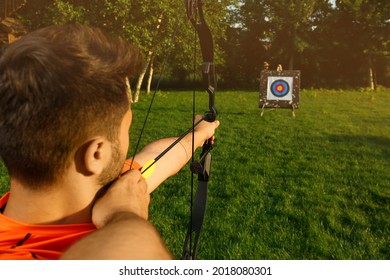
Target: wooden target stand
pixel 279 89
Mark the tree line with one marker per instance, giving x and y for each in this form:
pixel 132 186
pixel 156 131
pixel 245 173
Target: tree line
pixel 341 44
pixel 335 44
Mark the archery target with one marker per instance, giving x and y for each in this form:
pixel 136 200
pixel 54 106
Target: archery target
pixel 279 88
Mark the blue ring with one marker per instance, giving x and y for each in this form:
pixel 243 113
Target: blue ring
pixel 277 83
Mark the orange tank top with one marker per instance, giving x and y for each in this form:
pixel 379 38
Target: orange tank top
pixel 19 241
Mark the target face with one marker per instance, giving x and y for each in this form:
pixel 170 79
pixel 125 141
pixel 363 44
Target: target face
pixel 279 88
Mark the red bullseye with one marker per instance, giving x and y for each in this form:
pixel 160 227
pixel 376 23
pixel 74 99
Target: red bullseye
pixel 280 88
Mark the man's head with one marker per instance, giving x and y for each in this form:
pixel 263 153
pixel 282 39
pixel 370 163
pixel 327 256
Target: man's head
pixel 59 88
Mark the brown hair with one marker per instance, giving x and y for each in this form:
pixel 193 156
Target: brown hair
pixel 59 86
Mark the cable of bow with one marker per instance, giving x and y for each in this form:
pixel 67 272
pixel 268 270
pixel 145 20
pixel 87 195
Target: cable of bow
pixel 202 167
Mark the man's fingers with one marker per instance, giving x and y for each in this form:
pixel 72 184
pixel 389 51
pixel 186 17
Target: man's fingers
pixel 127 194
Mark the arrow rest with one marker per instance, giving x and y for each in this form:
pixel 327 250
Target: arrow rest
pixel 210 116
pixel 201 166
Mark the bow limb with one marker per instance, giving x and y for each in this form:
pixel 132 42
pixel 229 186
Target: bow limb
pixel 203 166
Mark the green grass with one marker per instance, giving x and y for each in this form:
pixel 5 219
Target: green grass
pixel 311 187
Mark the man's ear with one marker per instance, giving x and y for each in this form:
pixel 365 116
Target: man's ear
pixel 96 155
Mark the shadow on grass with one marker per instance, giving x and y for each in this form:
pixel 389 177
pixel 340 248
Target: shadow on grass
pixel 360 140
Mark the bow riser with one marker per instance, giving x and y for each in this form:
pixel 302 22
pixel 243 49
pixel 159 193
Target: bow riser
pixel 208 73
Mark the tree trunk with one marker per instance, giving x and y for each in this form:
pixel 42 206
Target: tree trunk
pixel 128 90
pixel 293 48
pixel 149 61
pixel 141 77
pixel 371 73
pixel 150 77
pixel 291 62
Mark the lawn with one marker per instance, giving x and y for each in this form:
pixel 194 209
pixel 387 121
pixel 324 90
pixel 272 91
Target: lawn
pixel 311 187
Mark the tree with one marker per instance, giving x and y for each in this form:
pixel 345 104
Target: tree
pixel 137 21
pixel 368 25
pixel 290 22
pixel 272 31
pixel 247 43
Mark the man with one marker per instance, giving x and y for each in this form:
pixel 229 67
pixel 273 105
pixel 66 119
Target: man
pixel 64 122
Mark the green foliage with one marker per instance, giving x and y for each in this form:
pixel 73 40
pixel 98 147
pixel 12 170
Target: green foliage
pixel 4 179
pixel 161 26
pixel 63 12
pixel 290 21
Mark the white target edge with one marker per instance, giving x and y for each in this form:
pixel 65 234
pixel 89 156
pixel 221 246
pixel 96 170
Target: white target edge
pixel 288 80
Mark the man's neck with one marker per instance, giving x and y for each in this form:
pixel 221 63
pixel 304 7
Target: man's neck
pixel 65 204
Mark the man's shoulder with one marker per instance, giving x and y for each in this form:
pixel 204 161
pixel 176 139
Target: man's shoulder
pixel 24 241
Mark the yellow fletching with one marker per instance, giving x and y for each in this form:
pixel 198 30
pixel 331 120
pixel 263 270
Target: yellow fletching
pixel 147 171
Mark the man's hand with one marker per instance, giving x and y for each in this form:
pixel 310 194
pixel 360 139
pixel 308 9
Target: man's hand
pixel 124 232
pixel 128 194
pixel 206 129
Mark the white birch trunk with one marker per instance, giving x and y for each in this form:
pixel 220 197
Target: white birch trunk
pixel 150 77
pixel 141 77
pixel 128 90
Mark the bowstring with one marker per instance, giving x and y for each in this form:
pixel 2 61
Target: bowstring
pixel 164 64
pixel 193 129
